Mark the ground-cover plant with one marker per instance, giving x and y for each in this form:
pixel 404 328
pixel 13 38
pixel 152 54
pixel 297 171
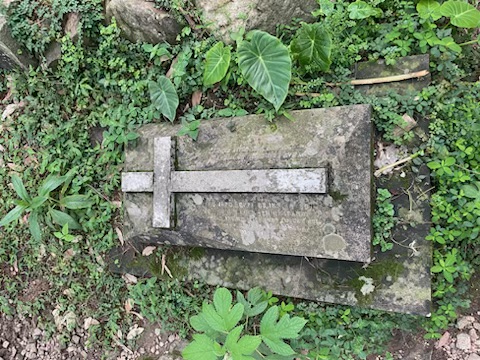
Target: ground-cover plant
pixel 83 114
pixel 226 330
pixel 263 61
pixel 383 220
pixel 43 208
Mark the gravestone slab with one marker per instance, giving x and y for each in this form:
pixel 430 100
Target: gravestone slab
pixel 397 280
pixel 224 201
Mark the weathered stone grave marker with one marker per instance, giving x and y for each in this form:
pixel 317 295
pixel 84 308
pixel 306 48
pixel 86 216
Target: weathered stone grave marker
pixel 163 182
pixel 303 189
pixel 293 244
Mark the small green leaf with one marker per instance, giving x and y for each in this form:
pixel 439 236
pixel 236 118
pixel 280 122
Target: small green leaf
pixel 448 276
pixel 61 218
pixel 12 215
pixel 51 183
pixel 461 14
pixel 436 269
pixel 471 191
pixel 38 201
pixel 429 9
pixel 20 188
pixel 361 10
pixel 164 97
pixel 131 136
pixel 217 62
pixel 34 226
pixel 449 161
pixel 434 165
pixel 265 63
pixel 201 348
pixel 312 47
pixel 76 202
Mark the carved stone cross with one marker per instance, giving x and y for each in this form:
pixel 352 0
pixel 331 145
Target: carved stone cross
pixel 164 181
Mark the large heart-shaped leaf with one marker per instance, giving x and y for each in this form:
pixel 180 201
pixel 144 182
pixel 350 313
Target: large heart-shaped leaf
pixel 265 63
pixel 461 14
pixel 361 10
pixel 312 47
pixel 217 61
pixel 429 9
pixel 164 97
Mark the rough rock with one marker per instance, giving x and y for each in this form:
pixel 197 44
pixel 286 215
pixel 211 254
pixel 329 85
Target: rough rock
pixel 463 341
pixel 465 321
pixel 11 53
pixel 473 357
pixel 225 17
pixel 140 21
pixel 444 340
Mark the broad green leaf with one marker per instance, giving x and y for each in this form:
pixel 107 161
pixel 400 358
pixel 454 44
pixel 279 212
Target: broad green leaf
pixel 471 191
pixel 265 63
pixel 241 348
pixel 20 188
pixel 326 7
pixel 51 183
pixel 222 300
pixel 461 14
pixel 312 47
pixel 450 43
pixel 38 201
pixel 34 226
pixel 222 323
pixel 274 332
pixel 200 324
pixel 164 97
pixel 278 346
pixel 76 202
pixel 429 9
pixel 217 61
pixel 61 218
pixel 361 10
pixel 12 215
pixel 201 348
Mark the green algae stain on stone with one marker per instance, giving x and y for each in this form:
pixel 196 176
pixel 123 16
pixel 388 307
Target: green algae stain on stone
pixel 386 271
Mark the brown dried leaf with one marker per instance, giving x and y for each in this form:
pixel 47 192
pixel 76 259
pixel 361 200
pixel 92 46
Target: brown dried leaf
pixel 15 167
pixel 148 250
pixel 129 305
pixel 165 267
pixel 196 98
pixel 130 279
pixel 134 332
pixel 410 123
pixel 90 322
pixel 120 236
pixel 11 108
pixel 172 67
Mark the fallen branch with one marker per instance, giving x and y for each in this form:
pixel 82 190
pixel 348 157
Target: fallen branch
pixel 371 81
pixel 396 163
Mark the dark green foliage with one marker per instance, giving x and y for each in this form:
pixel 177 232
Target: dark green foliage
pixel 36 23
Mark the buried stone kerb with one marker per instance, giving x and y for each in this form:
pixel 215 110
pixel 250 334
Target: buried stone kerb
pixel 164 181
